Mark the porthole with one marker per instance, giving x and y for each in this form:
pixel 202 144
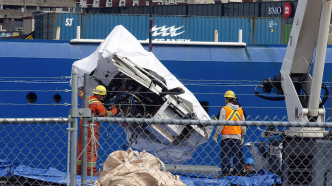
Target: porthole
pixel 57 98
pixel 31 97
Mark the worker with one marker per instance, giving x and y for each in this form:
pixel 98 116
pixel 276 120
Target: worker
pixel 98 110
pixel 241 165
pixel 248 168
pixel 231 135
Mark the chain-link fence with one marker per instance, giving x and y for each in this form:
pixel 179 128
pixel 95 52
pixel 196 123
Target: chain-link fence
pixel 33 151
pixel 270 154
pixel 161 144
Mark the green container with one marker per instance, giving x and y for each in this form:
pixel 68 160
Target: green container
pixel 287 31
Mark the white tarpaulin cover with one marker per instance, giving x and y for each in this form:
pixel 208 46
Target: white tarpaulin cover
pixel 121 42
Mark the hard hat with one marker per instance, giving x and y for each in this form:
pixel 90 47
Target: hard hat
pixel 249 161
pixel 229 94
pixel 99 90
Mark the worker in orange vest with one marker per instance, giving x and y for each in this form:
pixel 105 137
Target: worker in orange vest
pixel 98 110
pixel 231 135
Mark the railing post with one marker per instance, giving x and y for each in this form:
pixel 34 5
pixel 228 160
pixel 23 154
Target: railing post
pixel 216 36
pixel 57 36
pixel 85 131
pixel 78 32
pixel 240 35
pixel 74 105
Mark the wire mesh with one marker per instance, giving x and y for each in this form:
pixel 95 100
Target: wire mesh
pixel 33 151
pixel 277 157
pixel 135 147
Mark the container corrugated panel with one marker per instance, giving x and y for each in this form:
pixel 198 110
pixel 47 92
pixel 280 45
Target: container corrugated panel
pixel 68 25
pixel 265 10
pixel 38 25
pixel 241 9
pixel 47 26
pixel 204 10
pixel 170 10
pixel 268 30
pixel 170 28
pixel 202 29
pixel 98 26
pixel 287 31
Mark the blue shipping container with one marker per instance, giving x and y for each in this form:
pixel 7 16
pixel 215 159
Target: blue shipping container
pixel 268 30
pixel 169 28
pixel 165 28
pixel 46 25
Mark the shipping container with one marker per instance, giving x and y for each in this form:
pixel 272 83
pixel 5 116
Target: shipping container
pixel 170 28
pixel 257 9
pixel 46 25
pixel 268 30
pixel 275 9
pixel 165 28
pixel 287 31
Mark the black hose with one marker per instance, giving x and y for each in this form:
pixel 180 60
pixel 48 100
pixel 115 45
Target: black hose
pixel 326 96
pixel 266 97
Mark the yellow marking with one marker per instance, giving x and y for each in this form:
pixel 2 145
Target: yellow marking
pixel 161 130
pixel 29 37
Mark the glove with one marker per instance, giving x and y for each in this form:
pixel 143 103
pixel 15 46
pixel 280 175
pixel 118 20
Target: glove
pixel 215 137
pixel 113 110
pixel 80 88
pixel 242 139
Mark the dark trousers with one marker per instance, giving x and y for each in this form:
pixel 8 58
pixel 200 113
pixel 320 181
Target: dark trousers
pixel 230 147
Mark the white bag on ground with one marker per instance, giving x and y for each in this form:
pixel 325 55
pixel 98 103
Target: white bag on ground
pixel 133 168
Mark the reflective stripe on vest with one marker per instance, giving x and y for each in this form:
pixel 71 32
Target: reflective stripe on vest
pixel 79 162
pixel 94 101
pixel 232 115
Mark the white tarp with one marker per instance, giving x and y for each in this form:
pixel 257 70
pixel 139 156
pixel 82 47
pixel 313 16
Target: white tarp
pixel 121 42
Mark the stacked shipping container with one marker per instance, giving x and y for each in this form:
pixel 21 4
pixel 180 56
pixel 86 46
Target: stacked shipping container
pixel 166 28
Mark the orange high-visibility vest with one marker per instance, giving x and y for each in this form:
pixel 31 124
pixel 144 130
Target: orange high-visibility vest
pixel 232 115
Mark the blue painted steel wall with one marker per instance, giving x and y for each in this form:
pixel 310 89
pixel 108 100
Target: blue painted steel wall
pixel 238 69
pixel 268 30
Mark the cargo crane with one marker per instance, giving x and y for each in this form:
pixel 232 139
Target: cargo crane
pixel 304 157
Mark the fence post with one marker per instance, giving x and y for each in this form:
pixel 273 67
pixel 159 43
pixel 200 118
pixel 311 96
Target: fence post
pixel 85 132
pixel 74 105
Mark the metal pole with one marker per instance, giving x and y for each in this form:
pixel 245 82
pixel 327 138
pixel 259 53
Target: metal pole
pixel 68 156
pixel 25 7
pixel 34 120
pixel 57 36
pixel 92 145
pixel 318 70
pixel 78 32
pixel 74 105
pixel 150 121
pixel 240 36
pixel 150 26
pixel 85 132
pixel 216 36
